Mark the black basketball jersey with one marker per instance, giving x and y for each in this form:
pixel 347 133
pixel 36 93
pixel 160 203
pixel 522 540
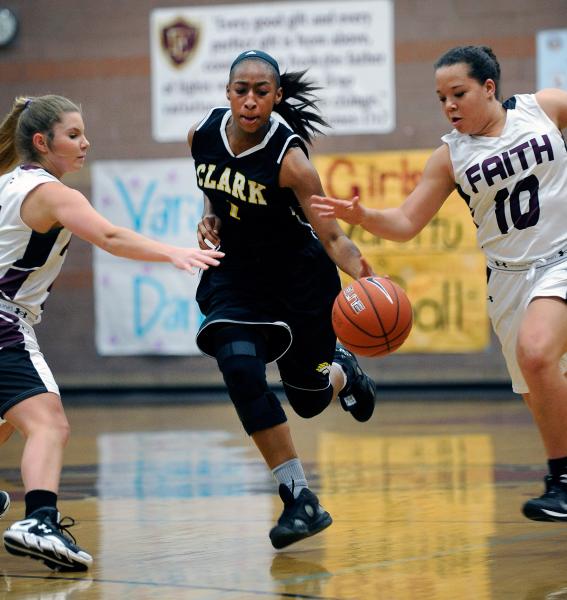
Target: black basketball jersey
pixel 257 215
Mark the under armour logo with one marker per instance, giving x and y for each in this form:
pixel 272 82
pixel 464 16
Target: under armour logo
pixel 490 299
pixel 22 313
pixel 44 528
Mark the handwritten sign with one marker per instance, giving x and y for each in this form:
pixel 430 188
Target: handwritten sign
pixel 146 308
pixel 442 269
pixel 346 46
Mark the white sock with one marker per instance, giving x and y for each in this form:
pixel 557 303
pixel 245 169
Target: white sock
pixel 339 371
pixel 291 473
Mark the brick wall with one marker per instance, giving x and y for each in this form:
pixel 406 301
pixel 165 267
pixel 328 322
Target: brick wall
pixel 97 53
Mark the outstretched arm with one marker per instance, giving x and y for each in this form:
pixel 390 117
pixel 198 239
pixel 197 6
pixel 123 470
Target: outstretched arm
pixel 402 223
pixel 299 174
pixel 55 204
pixel 554 103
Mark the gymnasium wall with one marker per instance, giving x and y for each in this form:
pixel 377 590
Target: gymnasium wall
pixel 98 54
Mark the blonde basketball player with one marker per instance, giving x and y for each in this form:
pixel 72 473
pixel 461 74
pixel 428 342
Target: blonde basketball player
pixel 45 138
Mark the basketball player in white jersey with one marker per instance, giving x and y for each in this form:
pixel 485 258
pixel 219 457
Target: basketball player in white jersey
pixel 45 138
pixel 508 161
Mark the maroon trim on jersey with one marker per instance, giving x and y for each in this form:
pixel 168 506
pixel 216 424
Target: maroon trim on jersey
pixel 37 252
pixel 10 333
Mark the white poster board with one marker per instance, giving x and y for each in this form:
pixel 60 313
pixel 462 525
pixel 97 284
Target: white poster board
pixel 346 46
pixel 146 308
pixel 552 59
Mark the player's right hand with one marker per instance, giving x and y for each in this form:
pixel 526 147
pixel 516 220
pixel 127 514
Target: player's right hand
pixel 350 211
pixel 208 232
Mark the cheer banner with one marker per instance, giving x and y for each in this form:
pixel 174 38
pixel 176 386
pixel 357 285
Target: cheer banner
pixel 441 269
pixel 147 308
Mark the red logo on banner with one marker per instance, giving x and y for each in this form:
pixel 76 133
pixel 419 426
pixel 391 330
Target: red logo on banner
pixel 179 40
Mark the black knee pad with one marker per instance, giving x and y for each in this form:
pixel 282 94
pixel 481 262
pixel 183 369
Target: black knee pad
pixel 240 355
pixel 308 403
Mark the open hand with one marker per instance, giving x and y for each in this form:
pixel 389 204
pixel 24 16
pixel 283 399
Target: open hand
pixel 190 258
pixel 350 211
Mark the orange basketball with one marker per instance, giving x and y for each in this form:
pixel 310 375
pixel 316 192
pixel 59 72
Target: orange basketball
pixel 372 316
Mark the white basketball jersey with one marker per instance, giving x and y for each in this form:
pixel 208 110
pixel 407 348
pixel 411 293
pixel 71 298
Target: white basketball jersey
pixel 29 261
pixel 515 184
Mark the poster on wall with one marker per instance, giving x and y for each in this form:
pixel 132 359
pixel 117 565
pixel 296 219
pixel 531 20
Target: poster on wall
pixel 143 307
pixel 346 46
pixel 441 269
pixel 552 59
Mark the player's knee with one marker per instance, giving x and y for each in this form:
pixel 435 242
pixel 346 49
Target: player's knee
pixel 536 354
pixel 259 413
pixel 256 406
pixel 244 375
pixel 308 403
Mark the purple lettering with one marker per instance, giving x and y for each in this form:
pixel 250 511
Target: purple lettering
pixel 508 163
pixel 491 167
pixel 473 176
pixel 519 150
pixel 539 150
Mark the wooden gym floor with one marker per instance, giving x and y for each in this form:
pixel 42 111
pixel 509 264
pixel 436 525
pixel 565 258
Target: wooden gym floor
pixel 174 503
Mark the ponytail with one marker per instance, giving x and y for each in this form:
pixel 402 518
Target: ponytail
pixel 299 105
pixel 8 154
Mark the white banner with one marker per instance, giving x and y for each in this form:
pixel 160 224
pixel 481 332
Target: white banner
pixel 551 51
pixel 146 308
pixel 346 46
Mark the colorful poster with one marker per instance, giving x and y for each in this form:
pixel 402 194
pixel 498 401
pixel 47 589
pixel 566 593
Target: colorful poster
pixel 146 308
pixel 441 269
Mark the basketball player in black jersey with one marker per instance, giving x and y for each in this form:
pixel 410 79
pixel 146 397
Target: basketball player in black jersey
pixel 271 298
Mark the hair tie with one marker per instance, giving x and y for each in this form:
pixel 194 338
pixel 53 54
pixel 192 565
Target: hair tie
pixel 27 102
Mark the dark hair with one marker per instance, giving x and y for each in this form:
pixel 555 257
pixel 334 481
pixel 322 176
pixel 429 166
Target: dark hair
pixel 299 105
pixel 27 117
pixel 481 60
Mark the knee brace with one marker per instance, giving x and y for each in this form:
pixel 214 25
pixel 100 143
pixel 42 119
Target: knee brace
pixel 308 403
pixel 240 354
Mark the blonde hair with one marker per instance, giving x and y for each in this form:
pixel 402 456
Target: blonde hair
pixel 27 117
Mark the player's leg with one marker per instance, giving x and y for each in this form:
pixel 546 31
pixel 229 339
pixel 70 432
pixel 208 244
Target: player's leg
pixel 30 403
pixel 240 351
pixel 542 342
pixel 41 534
pixel 317 370
pixel 358 393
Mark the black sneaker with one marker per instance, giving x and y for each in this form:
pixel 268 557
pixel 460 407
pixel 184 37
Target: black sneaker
pixel 301 517
pixel 44 536
pixel 4 503
pixel 552 505
pixel 359 394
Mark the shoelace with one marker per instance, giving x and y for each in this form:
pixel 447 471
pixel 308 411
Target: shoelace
pixel 64 525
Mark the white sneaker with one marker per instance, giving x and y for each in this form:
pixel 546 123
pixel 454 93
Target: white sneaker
pixel 44 536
